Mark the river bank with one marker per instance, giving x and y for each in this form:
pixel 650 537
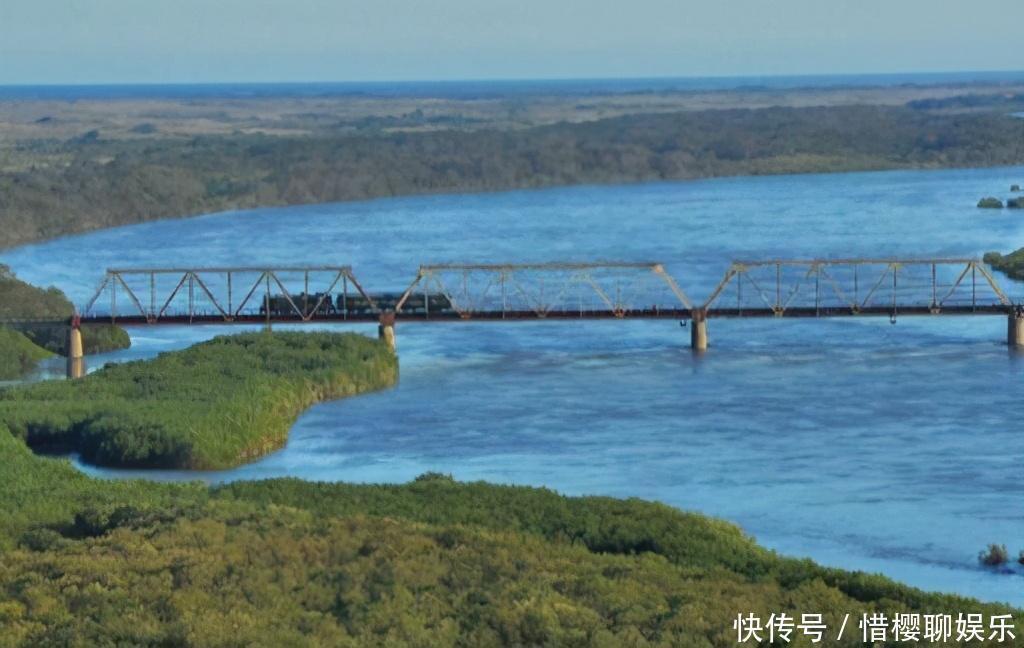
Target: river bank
pixel 53 188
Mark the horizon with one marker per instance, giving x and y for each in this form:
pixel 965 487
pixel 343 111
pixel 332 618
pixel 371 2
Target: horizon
pixel 505 87
pixel 122 42
pixel 526 79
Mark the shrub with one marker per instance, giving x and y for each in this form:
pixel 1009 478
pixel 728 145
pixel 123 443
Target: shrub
pixel 18 355
pixel 994 556
pixel 990 203
pixel 1011 264
pixel 42 539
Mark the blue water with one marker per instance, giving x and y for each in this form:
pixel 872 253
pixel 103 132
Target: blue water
pixel 476 89
pixel 862 444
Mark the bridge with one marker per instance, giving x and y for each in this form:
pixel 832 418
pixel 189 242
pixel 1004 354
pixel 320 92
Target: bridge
pixel 775 288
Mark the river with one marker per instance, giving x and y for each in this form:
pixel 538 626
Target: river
pixel 862 444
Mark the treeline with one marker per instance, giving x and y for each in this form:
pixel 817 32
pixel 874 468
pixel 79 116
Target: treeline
pixel 107 183
pixel 215 405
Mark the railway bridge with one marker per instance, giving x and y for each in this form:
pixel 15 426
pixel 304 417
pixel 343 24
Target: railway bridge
pixel 759 288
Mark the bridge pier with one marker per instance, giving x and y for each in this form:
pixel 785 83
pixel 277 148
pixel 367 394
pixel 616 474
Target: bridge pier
pixel 699 331
pixel 1015 329
pixel 386 330
pixel 76 356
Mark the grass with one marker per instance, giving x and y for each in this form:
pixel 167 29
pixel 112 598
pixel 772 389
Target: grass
pixel 215 405
pixel 42 315
pixel 18 354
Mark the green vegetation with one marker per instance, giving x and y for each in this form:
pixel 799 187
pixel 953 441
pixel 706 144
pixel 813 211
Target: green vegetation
pixel 1010 264
pixel 995 556
pixel 990 203
pixel 214 405
pixel 434 562
pixel 42 316
pixel 18 355
pixel 86 183
pixel 431 563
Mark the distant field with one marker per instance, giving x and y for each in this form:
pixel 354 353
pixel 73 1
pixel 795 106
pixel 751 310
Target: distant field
pixel 156 118
pixel 73 166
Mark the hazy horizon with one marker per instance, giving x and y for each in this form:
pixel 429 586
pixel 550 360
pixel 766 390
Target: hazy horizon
pixel 537 79
pixel 64 42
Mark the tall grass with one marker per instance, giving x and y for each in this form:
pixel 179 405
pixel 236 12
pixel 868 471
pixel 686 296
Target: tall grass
pixel 215 405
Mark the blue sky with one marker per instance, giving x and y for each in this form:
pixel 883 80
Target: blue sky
pixel 161 41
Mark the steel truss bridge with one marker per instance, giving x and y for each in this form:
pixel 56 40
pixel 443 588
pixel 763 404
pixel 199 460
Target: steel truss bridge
pixel 600 290
pixel 773 288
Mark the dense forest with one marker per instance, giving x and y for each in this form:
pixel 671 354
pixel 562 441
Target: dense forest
pixel 90 182
pixel 215 405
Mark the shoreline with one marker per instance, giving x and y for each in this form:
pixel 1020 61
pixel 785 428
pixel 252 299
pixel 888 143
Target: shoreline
pixel 510 190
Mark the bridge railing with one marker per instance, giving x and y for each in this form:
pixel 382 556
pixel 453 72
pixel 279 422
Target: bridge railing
pixel 853 286
pixel 302 293
pixel 542 290
pixel 770 287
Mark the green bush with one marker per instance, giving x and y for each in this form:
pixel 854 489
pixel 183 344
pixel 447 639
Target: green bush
pixel 994 556
pixel 990 203
pixel 1010 264
pixel 18 355
pixel 215 405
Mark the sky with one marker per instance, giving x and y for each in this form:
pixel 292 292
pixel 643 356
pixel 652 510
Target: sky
pixel 207 41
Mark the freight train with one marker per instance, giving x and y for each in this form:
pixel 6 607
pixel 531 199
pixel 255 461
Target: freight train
pixel 354 304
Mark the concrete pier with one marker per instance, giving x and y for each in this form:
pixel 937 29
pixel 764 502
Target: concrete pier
pixel 1015 330
pixel 386 329
pixel 76 356
pixel 699 331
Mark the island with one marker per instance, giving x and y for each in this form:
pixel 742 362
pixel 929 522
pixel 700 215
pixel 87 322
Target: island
pixel 215 405
pixel 1012 265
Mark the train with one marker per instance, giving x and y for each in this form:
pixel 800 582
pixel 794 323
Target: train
pixel 353 304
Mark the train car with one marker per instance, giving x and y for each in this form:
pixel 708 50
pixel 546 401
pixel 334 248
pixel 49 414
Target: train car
pixel 353 304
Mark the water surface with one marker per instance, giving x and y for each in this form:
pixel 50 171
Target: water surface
pixel 865 445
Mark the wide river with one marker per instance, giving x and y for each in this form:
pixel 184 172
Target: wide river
pixel 861 444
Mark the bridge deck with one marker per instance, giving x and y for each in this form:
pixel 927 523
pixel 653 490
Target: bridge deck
pixel 528 315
